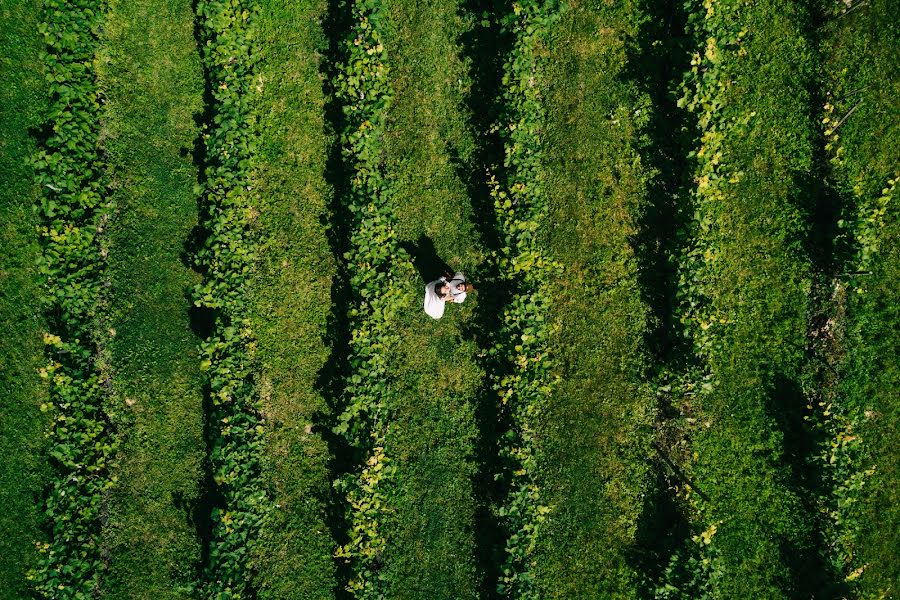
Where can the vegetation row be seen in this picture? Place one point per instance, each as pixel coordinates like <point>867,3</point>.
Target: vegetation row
<point>376,266</point>
<point>743,284</point>
<point>854,410</point>
<point>72,210</point>
<point>524,376</point>
<point>227,258</point>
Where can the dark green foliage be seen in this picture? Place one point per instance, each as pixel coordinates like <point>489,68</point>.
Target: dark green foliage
<point>375,265</point>
<point>149,130</point>
<point>743,290</point>
<point>524,377</point>
<point>23,469</point>
<point>72,210</point>
<point>857,460</point>
<point>597,426</point>
<point>290,303</point>
<point>227,260</point>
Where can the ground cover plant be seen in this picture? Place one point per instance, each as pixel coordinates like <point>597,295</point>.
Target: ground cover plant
<point>675,377</point>
<point>73,210</point>
<point>524,377</point>
<point>375,263</point>
<point>226,258</point>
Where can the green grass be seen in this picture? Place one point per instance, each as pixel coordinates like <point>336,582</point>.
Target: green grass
<point>431,547</point>
<point>861,67</point>
<point>597,429</point>
<point>291,301</point>
<point>150,72</point>
<point>23,101</point>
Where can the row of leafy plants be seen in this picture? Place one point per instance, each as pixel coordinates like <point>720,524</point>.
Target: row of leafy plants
<point>226,258</point>
<point>743,284</point>
<point>376,266</point>
<point>523,375</point>
<point>72,211</point>
<point>857,49</point>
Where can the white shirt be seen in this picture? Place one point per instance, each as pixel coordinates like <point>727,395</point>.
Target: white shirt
<point>458,297</point>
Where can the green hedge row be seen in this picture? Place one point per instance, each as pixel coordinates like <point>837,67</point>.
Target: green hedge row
<point>227,260</point>
<point>860,112</point>
<point>524,377</point>
<point>744,282</point>
<point>377,267</point>
<point>72,212</point>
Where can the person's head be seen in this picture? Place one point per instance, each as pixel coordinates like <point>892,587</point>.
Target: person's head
<point>441,289</point>
<point>464,287</point>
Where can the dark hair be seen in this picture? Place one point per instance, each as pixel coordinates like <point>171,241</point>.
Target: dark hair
<point>437,288</point>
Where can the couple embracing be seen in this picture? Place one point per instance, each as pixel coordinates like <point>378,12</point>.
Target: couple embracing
<point>449,288</point>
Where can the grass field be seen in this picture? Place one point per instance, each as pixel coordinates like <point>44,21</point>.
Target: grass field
<point>428,143</point>
<point>291,301</point>
<point>24,469</point>
<point>150,73</point>
<point>598,427</point>
<point>675,378</point>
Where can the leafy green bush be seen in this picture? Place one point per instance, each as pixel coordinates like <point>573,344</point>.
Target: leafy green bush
<point>524,374</point>
<point>377,266</point>
<point>855,459</point>
<point>743,286</point>
<point>227,260</point>
<point>72,213</point>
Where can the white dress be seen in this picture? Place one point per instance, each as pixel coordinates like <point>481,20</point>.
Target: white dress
<point>434,306</point>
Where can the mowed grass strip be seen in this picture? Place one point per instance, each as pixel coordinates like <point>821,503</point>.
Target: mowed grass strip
<point>290,301</point>
<point>150,73</point>
<point>744,281</point>
<point>862,79</point>
<point>428,149</point>
<point>597,428</point>
<point>23,102</point>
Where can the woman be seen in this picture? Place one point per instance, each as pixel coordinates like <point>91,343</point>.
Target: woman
<point>449,288</point>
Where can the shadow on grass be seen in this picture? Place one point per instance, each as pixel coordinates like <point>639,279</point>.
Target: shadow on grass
<point>426,259</point>
<point>484,48</point>
<point>337,223</point>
